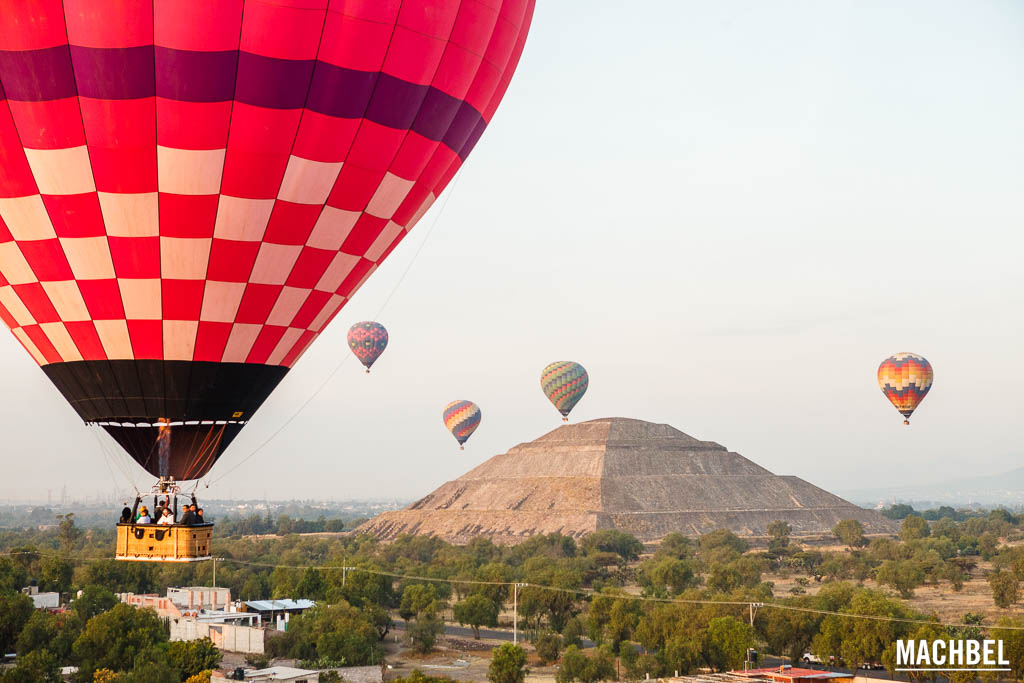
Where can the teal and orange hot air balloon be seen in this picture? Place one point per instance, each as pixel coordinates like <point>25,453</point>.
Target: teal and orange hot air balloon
<point>564,383</point>
<point>905,380</point>
<point>367,340</point>
<point>462,418</point>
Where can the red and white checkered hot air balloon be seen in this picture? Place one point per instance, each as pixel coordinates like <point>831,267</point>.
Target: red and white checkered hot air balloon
<point>191,191</point>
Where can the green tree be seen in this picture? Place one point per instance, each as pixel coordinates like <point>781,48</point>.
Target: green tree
<point>778,532</point>
<point>55,575</point>
<point>68,532</point>
<point>613,541</point>
<point>789,632</point>
<point>987,544</point>
<point>682,653</point>
<point>93,601</point>
<point>676,545</point>
<point>576,666</point>
<point>47,631</point>
<point>548,645</point>
<point>722,545</point>
<point>153,665</point>
<point>423,632</point>
<point>898,511</point>
<point>508,664</point>
<point>419,598</point>
<point>667,575</point>
<point>572,633</point>
<point>13,576</point>
<point>312,585</point>
<point>1005,588</point>
<point>856,641</point>
<point>192,657</point>
<point>727,641</point>
<point>114,639</point>
<point>15,610</point>
<point>903,575</point>
<point>39,666</point>
<point>850,532</point>
<point>1013,643</point>
<point>913,528</point>
<point>476,611</point>
<point>337,633</point>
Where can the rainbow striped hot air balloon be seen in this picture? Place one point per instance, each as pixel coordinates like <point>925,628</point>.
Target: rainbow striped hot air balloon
<point>462,418</point>
<point>564,383</point>
<point>367,340</point>
<point>905,380</point>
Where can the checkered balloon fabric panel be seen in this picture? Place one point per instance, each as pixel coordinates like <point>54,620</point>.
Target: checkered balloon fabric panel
<point>905,379</point>
<point>210,182</point>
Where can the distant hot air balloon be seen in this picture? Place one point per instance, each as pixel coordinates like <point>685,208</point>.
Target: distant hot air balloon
<point>564,383</point>
<point>191,191</point>
<point>462,418</point>
<point>905,380</point>
<point>367,341</point>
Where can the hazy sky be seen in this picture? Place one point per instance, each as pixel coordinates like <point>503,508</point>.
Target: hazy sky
<point>729,212</point>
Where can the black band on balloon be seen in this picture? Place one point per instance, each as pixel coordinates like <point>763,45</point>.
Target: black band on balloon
<point>151,390</point>
<point>206,403</point>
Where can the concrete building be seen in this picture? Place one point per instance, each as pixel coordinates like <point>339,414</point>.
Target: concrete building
<point>42,600</point>
<point>780,674</point>
<point>200,597</point>
<point>164,607</point>
<point>231,632</point>
<point>277,612</point>
<point>789,674</point>
<point>351,674</point>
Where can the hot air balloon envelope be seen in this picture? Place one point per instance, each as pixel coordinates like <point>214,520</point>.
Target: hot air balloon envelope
<point>367,341</point>
<point>564,383</point>
<point>190,191</point>
<point>462,418</point>
<point>905,380</point>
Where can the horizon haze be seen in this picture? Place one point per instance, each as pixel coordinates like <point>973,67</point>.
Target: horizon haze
<point>729,213</point>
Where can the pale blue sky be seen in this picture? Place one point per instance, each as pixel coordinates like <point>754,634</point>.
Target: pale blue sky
<point>729,212</point>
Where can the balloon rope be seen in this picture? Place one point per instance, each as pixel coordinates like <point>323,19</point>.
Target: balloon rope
<point>108,457</point>
<point>345,357</point>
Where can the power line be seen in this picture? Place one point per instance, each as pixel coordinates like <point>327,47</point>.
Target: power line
<point>585,592</point>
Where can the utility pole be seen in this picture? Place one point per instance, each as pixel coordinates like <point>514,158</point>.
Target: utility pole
<point>214,571</point>
<point>753,607</point>
<point>344,575</point>
<point>515,612</point>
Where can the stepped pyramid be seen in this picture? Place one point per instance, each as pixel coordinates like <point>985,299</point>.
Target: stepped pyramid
<point>616,473</point>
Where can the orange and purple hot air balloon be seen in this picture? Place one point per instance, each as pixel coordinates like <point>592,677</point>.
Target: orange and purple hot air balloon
<point>367,340</point>
<point>905,380</point>
<point>462,418</point>
<point>190,191</point>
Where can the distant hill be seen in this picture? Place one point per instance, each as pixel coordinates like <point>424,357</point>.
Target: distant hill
<point>1006,488</point>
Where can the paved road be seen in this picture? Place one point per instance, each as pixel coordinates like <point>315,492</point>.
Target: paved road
<point>490,634</point>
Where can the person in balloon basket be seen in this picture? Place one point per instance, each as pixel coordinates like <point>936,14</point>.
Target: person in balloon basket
<point>188,518</point>
<point>144,517</point>
<point>166,517</point>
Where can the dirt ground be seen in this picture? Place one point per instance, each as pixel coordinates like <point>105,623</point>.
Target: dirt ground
<point>942,600</point>
<point>458,659</point>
